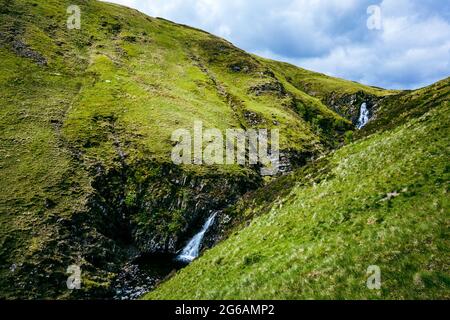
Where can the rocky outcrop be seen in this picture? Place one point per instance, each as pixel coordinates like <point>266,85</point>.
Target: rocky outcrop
<point>349,105</point>
<point>244,66</point>
<point>273,87</point>
<point>155,207</point>
<point>20,48</point>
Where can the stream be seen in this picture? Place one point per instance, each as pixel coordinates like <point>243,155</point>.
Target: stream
<point>143,274</point>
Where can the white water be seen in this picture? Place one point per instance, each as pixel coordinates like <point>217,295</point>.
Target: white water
<point>192,249</point>
<point>363,116</point>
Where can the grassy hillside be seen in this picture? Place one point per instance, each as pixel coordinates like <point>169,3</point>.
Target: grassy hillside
<point>86,118</point>
<point>398,109</point>
<point>342,96</point>
<point>380,201</point>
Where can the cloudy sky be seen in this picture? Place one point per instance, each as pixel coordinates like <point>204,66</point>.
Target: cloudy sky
<point>400,44</point>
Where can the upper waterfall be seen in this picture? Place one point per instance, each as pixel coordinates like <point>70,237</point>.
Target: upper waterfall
<point>363,116</point>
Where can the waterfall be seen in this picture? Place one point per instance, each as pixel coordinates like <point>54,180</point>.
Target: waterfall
<point>363,116</point>
<point>192,249</point>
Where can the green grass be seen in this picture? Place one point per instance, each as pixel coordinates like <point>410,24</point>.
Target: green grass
<point>120,85</point>
<point>85,126</point>
<point>320,85</point>
<point>380,201</point>
<point>398,109</point>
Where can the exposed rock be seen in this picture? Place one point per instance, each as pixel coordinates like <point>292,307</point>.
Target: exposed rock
<point>273,87</point>
<point>242,66</point>
<point>252,118</point>
<point>349,106</point>
<point>141,276</point>
<point>157,214</point>
<point>21,48</point>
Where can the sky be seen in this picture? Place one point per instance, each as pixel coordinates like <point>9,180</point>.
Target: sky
<point>394,44</point>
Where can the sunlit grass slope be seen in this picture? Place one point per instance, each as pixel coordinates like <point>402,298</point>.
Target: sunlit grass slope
<point>86,118</point>
<point>380,201</point>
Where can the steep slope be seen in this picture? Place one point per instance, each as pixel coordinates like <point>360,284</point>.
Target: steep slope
<point>398,109</point>
<point>342,96</point>
<point>381,201</point>
<point>86,122</point>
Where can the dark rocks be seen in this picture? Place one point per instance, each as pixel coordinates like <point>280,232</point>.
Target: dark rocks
<point>157,207</point>
<point>274,87</point>
<point>284,164</point>
<point>21,49</point>
<point>349,106</point>
<point>183,204</point>
<point>132,282</point>
<point>252,118</point>
<point>245,66</point>
<point>236,68</point>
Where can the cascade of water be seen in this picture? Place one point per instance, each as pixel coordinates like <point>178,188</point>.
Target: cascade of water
<point>192,249</point>
<point>363,116</point>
